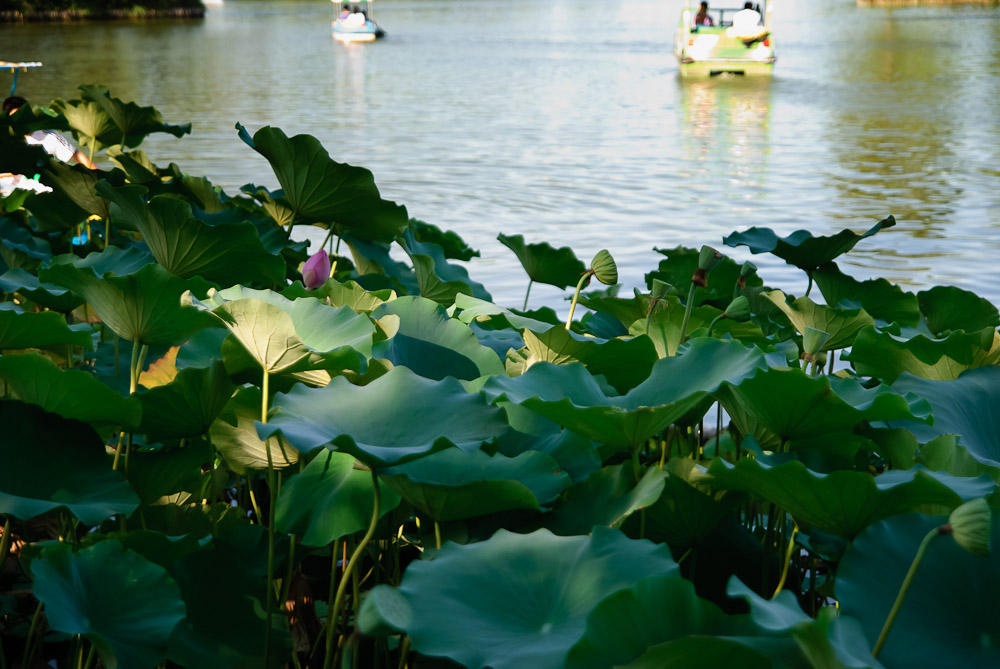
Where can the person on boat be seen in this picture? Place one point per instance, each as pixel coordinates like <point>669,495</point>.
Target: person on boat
<point>357,18</point>
<point>746,24</point>
<point>51,141</point>
<point>345,11</point>
<point>702,18</point>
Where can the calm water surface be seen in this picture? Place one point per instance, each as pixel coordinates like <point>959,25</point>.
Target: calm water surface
<point>565,121</point>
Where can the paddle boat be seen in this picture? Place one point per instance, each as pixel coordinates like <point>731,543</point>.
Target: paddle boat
<point>728,41</point>
<point>355,25</point>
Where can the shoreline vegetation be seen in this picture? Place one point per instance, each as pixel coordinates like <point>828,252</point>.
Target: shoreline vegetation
<point>64,11</point>
<point>224,448</point>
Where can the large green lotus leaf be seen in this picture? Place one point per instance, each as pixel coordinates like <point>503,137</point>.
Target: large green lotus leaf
<point>224,626</point>
<point>71,394</point>
<point>438,279</point>
<point>30,330</point>
<point>451,243</point>
<point>608,497</point>
<point>679,266</point>
<point>79,184</point>
<point>528,431</point>
<point>625,363</point>
<point>844,503</point>
<point>52,462</point>
<point>472,309</point>
<point>663,327</point>
<point>286,336</point>
<point>347,294</point>
<point>545,264</point>
<point>188,405</point>
<point>514,600</point>
<point>183,245</point>
<point>944,454</point>
<point>132,121</point>
<point>885,356</point>
<point>329,499</point>
<point>91,124</point>
<point>321,190</point>
<point>841,324</point>
<point>154,474</point>
<point>18,242</point>
<point>800,248</point>
<point>397,417</point>
<point>882,300</point>
<point>969,406</point>
<point>949,617</point>
<point>625,310</point>
<point>125,604</point>
<point>684,514</point>
<point>46,295</point>
<point>786,405</point>
<point>433,345</point>
<point>948,308</point>
<point>234,434</point>
<point>143,307</point>
<point>273,203</point>
<point>378,269</point>
<point>136,165</point>
<point>570,396</point>
<point>453,485</point>
<point>111,259</point>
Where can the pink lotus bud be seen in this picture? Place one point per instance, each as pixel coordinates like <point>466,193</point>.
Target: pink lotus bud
<point>316,270</point>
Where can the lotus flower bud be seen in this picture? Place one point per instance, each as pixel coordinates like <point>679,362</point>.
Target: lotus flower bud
<point>660,289</point>
<point>708,259</point>
<point>970,525</point>
<point>316,270</point>
<point>739,310</point>
<point>604,268</point>
<point>813,340</point>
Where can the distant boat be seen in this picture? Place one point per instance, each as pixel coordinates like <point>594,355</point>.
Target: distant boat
<point>746,48</point>
<point>357,25</point>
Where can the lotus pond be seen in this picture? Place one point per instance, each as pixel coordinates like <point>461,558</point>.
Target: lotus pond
<point>223,448</point>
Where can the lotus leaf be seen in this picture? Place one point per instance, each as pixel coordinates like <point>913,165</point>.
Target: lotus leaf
<point>329,499</point>
<point>144,307</point>
<point>528,431</point>
<point>545,264</point>
<point>886,356</point>
<point>91,125</point>
<point>663,326</point>
<point>844,503</point>
<point>155,474</point>
<point>423,416</point>
<point>285,336</point>
<point>111,260</point>
<point>131,120</point>
<point>375,265</point>
<point>46,295</point>
<point>453,485</point>
<point>779,406</point>
<point>188,405</point>
<point>801,248</point>
<point>18,242</point>
<point>969,406</point>
<point>515,600</point>
<point>571,397</point>
<point>52,462</point>
<point>948,308</point>
<point>472,309</point>
<point>186,247</point>
<point>321,190</point>
<point>943,454</point>
<point>347,294</point>
<point>136,165</point>
<point>126,605</point>
<point>882,300</point>
<point>608,497</point>
<point>432,344</point>
<point>79,185</point>
<point>438,279</point>
<point>679,266</point>
<point>452,245</point>
<point>949,616</point>
<point>841,324</point>
<point>30,330</point>
<point>234,434</point>
<point>71,394</point>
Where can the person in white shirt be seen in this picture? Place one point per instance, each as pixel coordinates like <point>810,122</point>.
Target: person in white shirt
<point>51,141</point>
<point>746,22</point>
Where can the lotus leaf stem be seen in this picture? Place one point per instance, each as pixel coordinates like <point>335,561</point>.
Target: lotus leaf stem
<point>90,157</point>
<point>286,586</point>
<point>107,231</point>
<point>355,557</point>
<point>528,292</point>
<point>904,589</point>
<point>788,560</point>
<point>5,541</point>
<point>404,650</point>
<point>437,534</point>
<point>253,501</point>
<point>687,312</point>
<point>270,524</point>
<point>576,295</point>
<point>28,640</point>
<point>331,621</point>
<point>810,286</point>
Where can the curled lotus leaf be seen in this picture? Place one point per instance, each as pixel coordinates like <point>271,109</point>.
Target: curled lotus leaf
<point>801,248</point>
<point>545,264</point>
<point>882,300</point>
<point>19,329</point>
<point>421,416</point>
<point>132,121</point>
<point>948,308</point>
<point>470,603</point>
<point>885,356</point>
<point>438,279</point>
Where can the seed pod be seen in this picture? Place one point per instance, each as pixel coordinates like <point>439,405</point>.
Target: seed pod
<point>813,340</point>
<point>970,525</point>
<point>604,268</point>
<point>739,310</point>
<point>708,259</point>
<point>747,269</point>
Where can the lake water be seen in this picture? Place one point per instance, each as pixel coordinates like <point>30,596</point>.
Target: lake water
<point>565,121</point>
